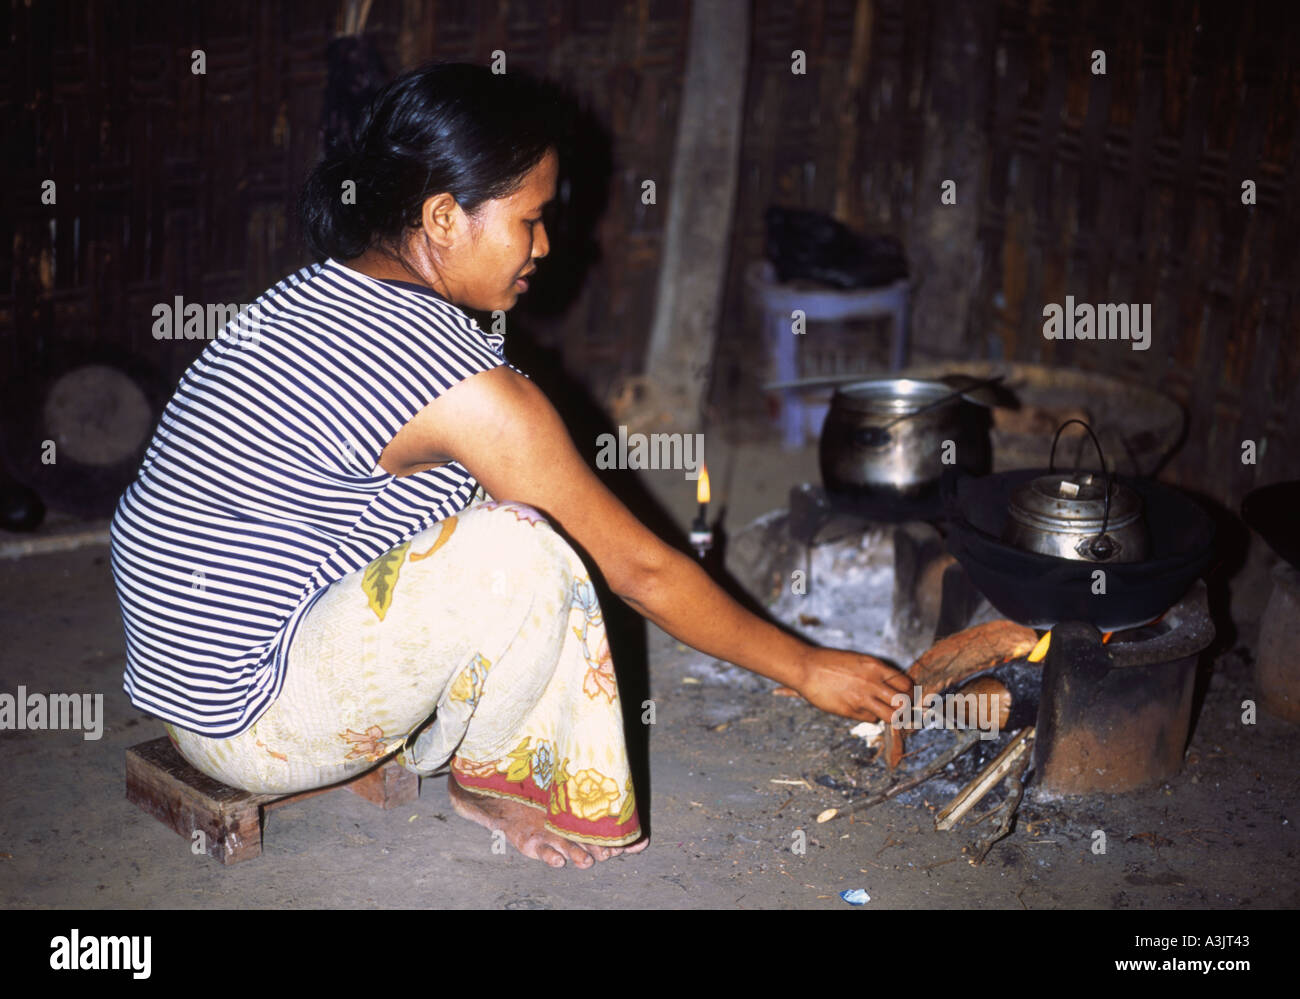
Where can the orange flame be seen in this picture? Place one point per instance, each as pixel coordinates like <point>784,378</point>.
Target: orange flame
<point>702,487</point>
<point>1044,643</point>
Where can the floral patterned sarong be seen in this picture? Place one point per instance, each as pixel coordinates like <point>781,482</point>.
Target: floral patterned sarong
<point>488,623</point>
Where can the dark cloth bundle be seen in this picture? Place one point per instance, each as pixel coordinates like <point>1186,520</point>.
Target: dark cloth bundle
<point>813,246</point>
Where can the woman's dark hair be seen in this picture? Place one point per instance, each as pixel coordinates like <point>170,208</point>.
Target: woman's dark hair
<point>450,127</point>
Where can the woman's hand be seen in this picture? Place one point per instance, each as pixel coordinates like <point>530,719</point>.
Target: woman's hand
<point>850,684</point>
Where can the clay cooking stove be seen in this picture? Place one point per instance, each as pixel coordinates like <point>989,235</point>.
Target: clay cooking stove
<point>1112,711</point>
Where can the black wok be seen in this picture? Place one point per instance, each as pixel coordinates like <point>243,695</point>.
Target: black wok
<point>1043,590</point>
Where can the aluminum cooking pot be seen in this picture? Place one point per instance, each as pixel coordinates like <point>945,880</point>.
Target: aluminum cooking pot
<point>897,436</point>
<point>1077,515</point>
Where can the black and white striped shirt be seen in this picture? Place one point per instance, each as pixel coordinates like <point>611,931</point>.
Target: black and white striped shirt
<point>262,485</point>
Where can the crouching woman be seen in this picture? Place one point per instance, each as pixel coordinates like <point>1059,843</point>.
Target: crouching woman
<point>340,547</point>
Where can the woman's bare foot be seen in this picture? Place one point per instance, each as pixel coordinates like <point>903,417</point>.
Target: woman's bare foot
<point>526,831</point>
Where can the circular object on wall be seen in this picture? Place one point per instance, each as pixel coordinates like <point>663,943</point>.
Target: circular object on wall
<point>97,415</point>
<point>78,431</point>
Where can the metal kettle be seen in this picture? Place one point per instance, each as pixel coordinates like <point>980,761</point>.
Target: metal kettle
<point>1077,515</point>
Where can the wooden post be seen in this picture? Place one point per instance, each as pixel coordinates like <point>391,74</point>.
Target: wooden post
<point>943,248</point>
<point>701,203</point>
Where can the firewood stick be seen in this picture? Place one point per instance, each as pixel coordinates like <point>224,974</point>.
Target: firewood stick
<point>964,743</point>
<point>950,660</point>
<point>985,781</point>
<point>1015,791</point>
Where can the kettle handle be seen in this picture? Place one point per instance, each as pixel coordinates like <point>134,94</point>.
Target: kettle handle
<point>1051,467</point>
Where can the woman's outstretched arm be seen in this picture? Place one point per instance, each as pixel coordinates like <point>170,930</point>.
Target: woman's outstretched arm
<point>505,431</point>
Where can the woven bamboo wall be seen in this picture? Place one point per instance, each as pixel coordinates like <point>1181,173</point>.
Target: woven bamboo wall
<point>1123,187</point>
<point>1127,188</point>
<point>170,183</point>
<point>1116,188</point>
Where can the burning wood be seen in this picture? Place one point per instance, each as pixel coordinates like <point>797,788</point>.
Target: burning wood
<point>956,657</point>
<point>991,689</point>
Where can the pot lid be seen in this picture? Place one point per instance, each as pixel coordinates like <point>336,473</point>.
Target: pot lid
<point>1074,501</point>
<point>892,396</point>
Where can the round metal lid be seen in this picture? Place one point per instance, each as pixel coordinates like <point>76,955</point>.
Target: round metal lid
<point>1074,501</point>
<point>891,396</point>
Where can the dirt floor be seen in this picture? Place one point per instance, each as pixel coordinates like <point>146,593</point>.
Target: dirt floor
<point>730,779</point>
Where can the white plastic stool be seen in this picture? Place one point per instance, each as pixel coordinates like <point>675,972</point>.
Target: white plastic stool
<point>777,301</point>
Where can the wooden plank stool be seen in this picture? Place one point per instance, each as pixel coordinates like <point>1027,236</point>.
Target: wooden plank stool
<point>163,783</point>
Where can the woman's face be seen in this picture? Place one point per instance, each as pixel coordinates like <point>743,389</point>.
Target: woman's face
<point>506,237</point>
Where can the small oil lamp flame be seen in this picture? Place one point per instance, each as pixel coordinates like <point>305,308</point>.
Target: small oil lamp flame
<point>701,533</point>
